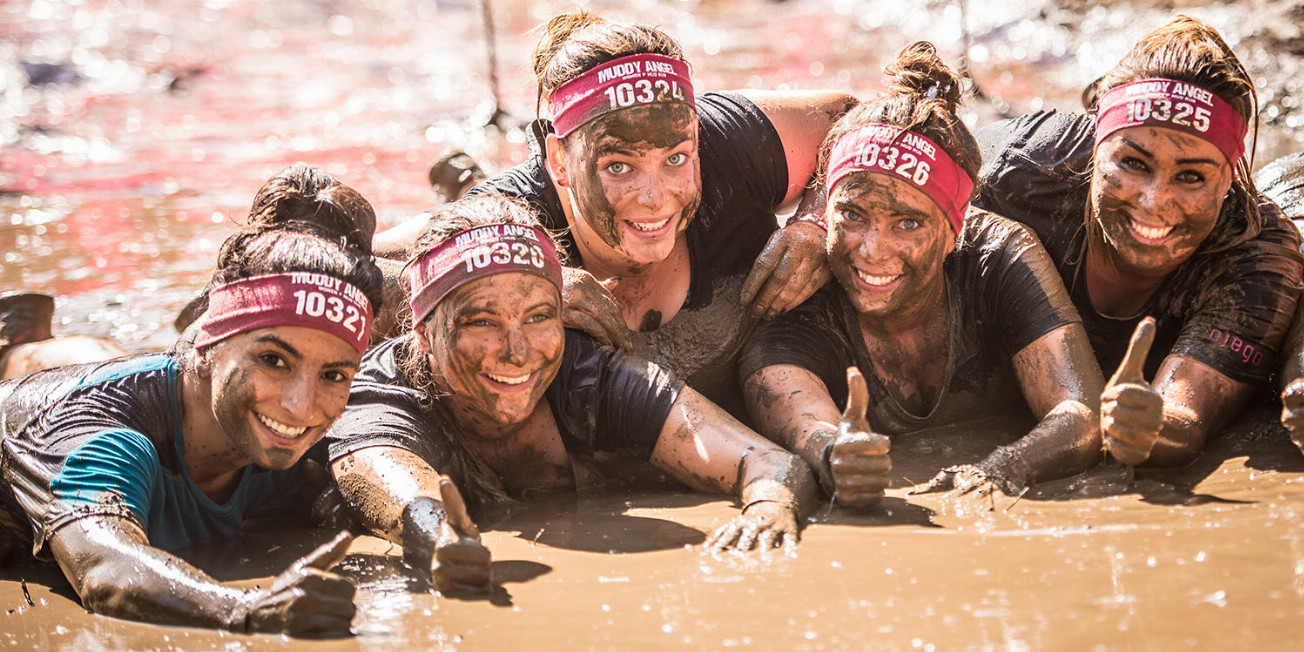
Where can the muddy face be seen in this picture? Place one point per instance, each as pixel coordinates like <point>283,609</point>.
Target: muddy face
<point>495,345</point>
<point>887,242</point>
<point>1155,195</point>
<point>635,184</point>
<point>276,390</point>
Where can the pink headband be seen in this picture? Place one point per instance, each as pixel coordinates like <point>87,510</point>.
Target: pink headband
<point>319,301</point>
<point>1176,105</point>
<point>476,253</point>
<point>619,84</point>
<point>887,149</point>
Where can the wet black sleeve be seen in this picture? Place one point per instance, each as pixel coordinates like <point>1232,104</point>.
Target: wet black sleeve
<point>810,336</point>
<point>385,410</point>
<point>739,142</point>
<point>1018,281</point>
<point>1037,171</point>
<point>1245,302</point>
<point>613,401</point>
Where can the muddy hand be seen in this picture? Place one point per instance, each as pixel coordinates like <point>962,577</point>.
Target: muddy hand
<point>307,599</point>
<point>461,562</point>
<point>762,525</point>
<point>591,308</point>
<point>858,458</point>
<point>792,267</point>
<point>1131,411</point>
<point>964,478</point>
<point>1292,411</point>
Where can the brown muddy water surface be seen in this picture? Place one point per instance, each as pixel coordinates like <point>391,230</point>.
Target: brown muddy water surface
<point>132,134</point>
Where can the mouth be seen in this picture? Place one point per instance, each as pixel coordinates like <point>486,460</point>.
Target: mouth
<point>651,229</point>
<point>878,282</point>
<point>281,430</point>
<point>1149,235</point>
<point>510,382</point>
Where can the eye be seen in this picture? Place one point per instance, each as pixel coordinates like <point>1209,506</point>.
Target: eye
<point>677,159</point>
<point>1134,163</point>
<point>273,360</point>
<point>1190,177</point>
<point>618,167</point>
<point>480,322</point>
<point>848,215</point>
<point>539,318</point>
<point>337,376</point>
<point>909,224</point>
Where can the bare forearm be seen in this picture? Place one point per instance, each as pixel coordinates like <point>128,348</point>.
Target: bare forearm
<point>779,477</point>
<point>1066,442</point>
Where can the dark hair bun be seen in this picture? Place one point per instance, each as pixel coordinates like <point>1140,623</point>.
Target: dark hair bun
<point>918,70</point>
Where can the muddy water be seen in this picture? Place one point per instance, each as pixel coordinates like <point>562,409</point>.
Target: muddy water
<point>155,123</point>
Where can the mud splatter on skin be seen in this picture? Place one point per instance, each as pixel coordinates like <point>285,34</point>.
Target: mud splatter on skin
<point>1156,177</point>
<point>507,325</point>
<point>651,321</point>
<point>881,226</point>
<point>606,195</point>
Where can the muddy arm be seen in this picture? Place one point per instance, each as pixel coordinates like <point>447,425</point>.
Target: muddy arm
<point>803,119</point>
<point>400,497</point>
<point>116,572</point>
<point>1062,383</point>
<point>706,448</point>
<point>1198,400</point>
<point>395,241</point>
<point>792,408</point>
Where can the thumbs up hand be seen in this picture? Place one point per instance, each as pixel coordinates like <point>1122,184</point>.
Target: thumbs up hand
<point>857,458</point>
<point>461,562</point>
<point>1131,411</point>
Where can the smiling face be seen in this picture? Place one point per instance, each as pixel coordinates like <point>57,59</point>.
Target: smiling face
<point>1156,194</point>
<point>634,183</point>
<point>495,344</point>
<point>887,242</point>
<point>275,391</point>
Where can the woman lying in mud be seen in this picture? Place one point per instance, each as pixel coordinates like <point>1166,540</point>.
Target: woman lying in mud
<point>951,318</point>
<point>115,464</point>
<point>669,197</point>
<point>28,345</point>
<point>490,389</point>
<point>1148,204</point>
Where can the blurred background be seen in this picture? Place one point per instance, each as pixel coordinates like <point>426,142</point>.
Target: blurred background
<point>134,134</point>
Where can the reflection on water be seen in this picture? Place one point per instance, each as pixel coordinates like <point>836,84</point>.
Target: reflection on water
<point>133,134</point>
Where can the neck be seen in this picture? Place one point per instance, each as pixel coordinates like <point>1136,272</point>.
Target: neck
<point>211,461</point>
<point>1113,290</point>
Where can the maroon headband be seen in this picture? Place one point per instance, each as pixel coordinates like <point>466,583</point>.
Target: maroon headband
<point>1174,104</point>
<point>619,84</point>
<point>476,253</point>
<point>319,301</point>
<point>891,150</point>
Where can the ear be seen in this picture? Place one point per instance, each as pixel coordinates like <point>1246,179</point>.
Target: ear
<point>423,343</point>
<point>555,157</point>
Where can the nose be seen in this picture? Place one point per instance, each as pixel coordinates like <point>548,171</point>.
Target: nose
<point>299,395</point>
<point>516,347</point>
<point>1157,198</point>
<point>872,245</point>
<point>652,190</point>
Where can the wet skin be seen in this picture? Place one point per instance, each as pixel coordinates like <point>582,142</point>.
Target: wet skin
<point>299,378</point>
<point>633,182</point>
<point>887,243</point>
<point>1156,194</point>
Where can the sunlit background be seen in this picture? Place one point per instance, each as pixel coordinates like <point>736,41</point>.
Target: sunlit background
<point>134,134</point>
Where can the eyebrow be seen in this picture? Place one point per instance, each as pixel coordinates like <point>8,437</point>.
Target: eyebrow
<point>269,338</point>
<point>1180,161</point>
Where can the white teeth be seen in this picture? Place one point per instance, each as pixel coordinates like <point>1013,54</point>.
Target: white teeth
<point>876,280</point>
<point>280,428</point>
<point>650,226</point>
<point>508,380</point>
<point>1151,232</point>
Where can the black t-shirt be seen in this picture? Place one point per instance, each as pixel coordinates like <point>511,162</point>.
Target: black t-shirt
<point>1004,295</point>
<point>603,400</point>
<point>1228,309</point>
<point>105,439</point>
<point>744,179</point>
